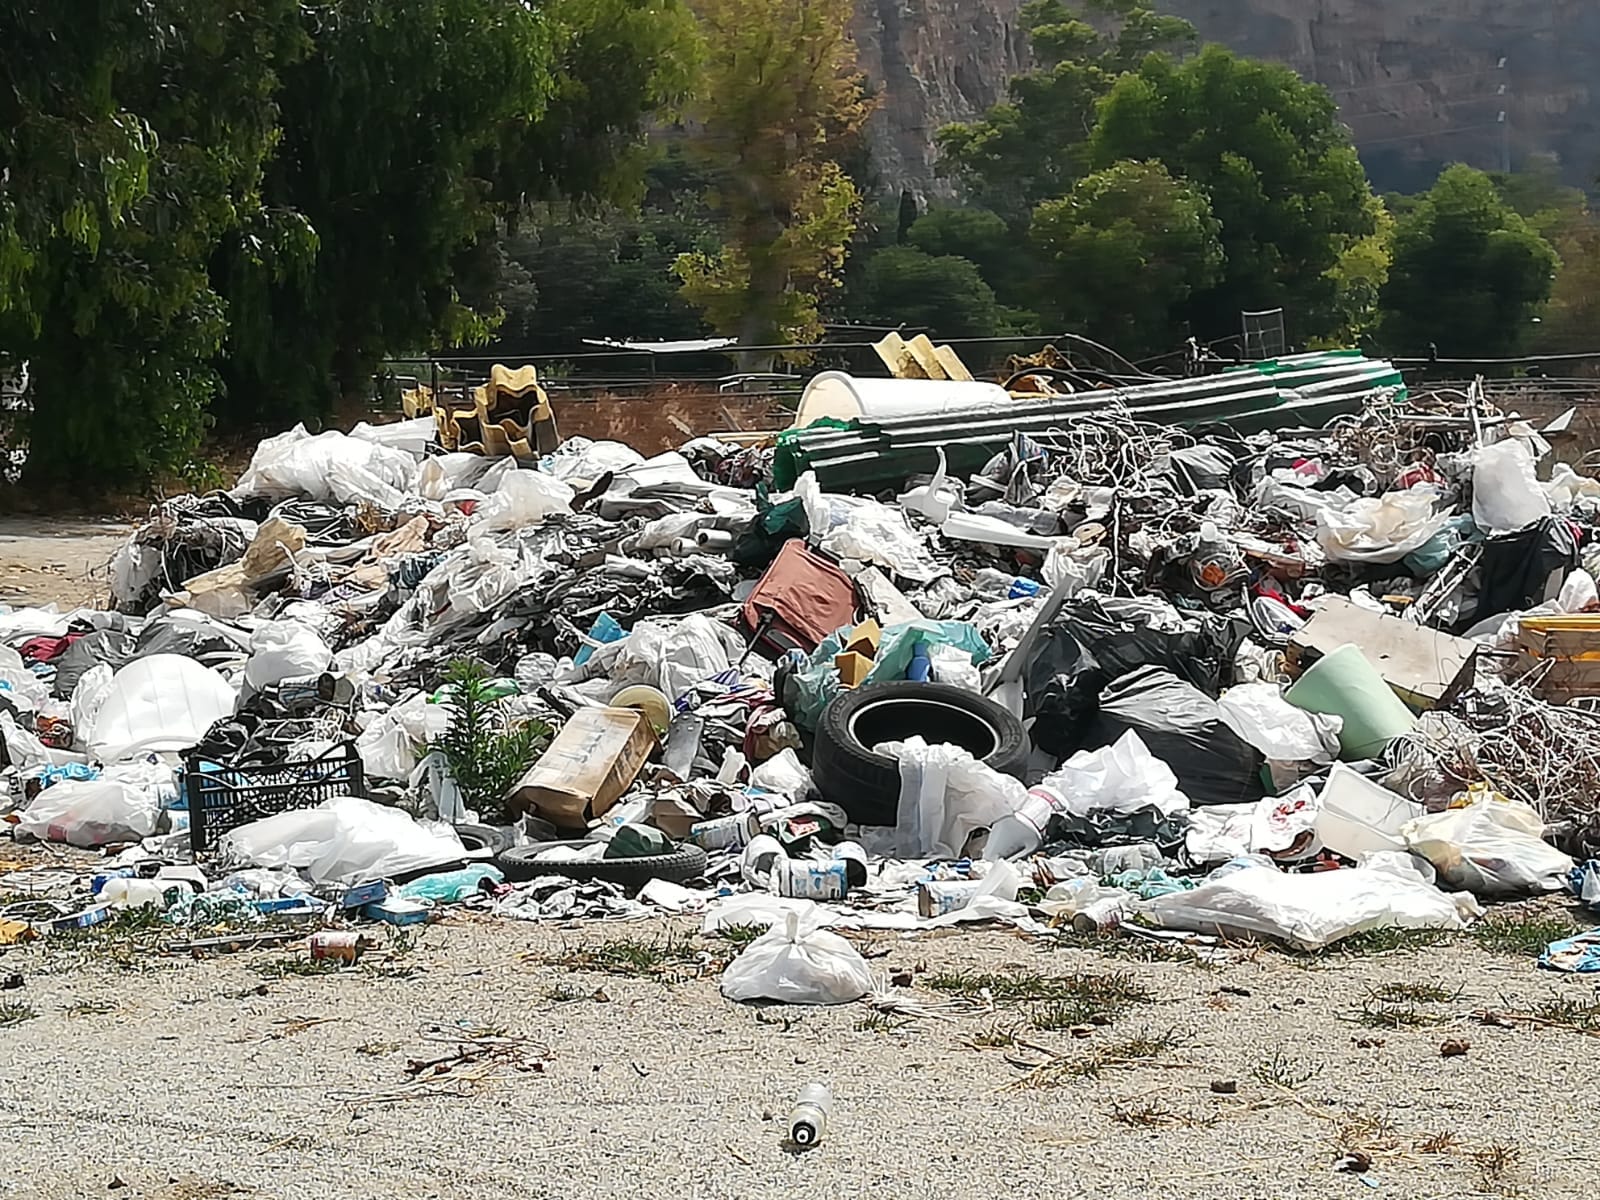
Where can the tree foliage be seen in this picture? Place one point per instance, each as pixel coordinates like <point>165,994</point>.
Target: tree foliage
<point>1033,145</point>
<point>1125,248</point>
<point>1268,149</point>
<point>1469,273</point>
<point>944,294</point>
<point>983,238</point>
<point>779,95</point>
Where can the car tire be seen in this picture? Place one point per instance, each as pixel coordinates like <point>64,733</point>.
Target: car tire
<point>685,863</point>
<point>485,837</point>
<point>867,785</point>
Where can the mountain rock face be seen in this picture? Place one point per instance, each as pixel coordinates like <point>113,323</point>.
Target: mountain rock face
<point>1421,83</point>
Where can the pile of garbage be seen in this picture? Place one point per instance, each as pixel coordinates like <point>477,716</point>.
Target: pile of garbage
<point>1125,677</point>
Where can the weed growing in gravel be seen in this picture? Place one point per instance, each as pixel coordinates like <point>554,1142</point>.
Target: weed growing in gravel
<point>1284,1071</point>
<point>1137,949</point>
<point>633,956</point>
<point>283,968</point>
<point>740,935</point>
<point>877,1022</point>
<point>90,1008</point>
<point>993,1038</point>
<point>1102,995</point>
<point>1154,1115</point>
<point>1580,1015</point>
<point>1397,1006</point>
<point>1496,1164</point>
<point>1390,939</point>
<point>1523,937</point>
<point>1442,1142</point>
<point>16,1014</point>
<point>1122,1053</point>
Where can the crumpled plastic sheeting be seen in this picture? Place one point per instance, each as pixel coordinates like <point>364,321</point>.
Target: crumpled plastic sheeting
<point>90,813</point>
<point>945,796</point>
<point>1506,495</point>
<point>160,702</point>
<point>328,466</point>
<point>1380,529</point>
<point>282,650</point>
<point>1121,778</point>
<point>344,840</point>
<point>1491,847</point>
<point>1311,911</point>
<point>523,498</point>
<point>1259,714</point>
<point>388,745</point>
<point>851,527</point>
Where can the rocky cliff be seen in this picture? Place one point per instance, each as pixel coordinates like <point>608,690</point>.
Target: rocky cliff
<point>1420,82</point>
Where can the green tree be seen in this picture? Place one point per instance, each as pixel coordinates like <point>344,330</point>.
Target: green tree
<point>1124,251</point>
<point>1268,149</point>
<point>1358,278</point>
<point>1573,314</point>
<point>983,238</point>
<point>779,95</point>
<point>119,318</point>
<point>943,294</point>
<point>1033,145</point>
<point>410,129</point>
<point>1469,273</point>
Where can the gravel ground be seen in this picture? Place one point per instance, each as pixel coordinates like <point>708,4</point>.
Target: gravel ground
<point>171,1078</point>
<point>57,559</point>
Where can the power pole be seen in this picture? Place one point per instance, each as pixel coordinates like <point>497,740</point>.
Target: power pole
<point>1505,116</point>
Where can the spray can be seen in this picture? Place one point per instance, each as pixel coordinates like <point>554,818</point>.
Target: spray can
<point>336,944</point>
<point>721,833</point>
<point>808,1119</point>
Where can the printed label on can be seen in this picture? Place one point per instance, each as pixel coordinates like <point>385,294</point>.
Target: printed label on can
<point>936,899</point>
<point>723,832</point>
<point>811,880</point>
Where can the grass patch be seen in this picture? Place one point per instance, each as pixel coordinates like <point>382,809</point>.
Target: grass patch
<point>1066,999</point>
<point>15,1014</point>
<point>283,968</point>
<point>634,956</point>
<point>1133,948</point>
<point>1154,1115</point>
<point>1283,1071</point>
<point>90,1008</point>
<point>1389,939</point>
<point>1497,1164</point>
<point>741,935</point>
<point>1523,937</point>
<point>1123,1052</point>
<point>1443,1142</point>
<point>993,1038</point>
<point>877,1022</point>
<point>1398,1006</point>
<point>1580,1015</point>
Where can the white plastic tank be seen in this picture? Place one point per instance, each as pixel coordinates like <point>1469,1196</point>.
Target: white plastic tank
<point>845,396</point>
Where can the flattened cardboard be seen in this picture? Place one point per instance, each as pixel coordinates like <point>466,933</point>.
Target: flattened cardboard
<point>591,762</point>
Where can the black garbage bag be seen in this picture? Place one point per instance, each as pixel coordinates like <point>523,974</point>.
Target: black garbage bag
<point>1517,567</point>
<point>1183,727</point>
<point>1098,639</point>
<point>110,646</point>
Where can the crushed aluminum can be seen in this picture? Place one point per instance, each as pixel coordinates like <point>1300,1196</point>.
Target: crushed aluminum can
<point>721,833</point>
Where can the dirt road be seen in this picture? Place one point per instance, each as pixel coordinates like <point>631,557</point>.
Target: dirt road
<point>173,1079</point>
<point>60,559</point>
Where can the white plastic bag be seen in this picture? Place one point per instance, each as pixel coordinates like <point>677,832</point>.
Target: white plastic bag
<point>91,812</point>
<point>387,746</point>
<point>876,533</point>
<point>329,466</point>
<point>1380,529</point>
<point>582,459</point>
<point>1282,732</point>
<point>282,650</point>
<point>160,702</point>
<point>88,697</point>
<point>1506,495</point>
<point>1120,778</point>
<point>798,962</point>
<point>953,665</point>
<point>1310,911</point>
<point>945,796</point>
<point>1492,847</point>
<point>523,498</point>
<point>784,774</point>
<point>344,840</point>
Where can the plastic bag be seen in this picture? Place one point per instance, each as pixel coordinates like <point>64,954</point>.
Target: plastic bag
<point>1122,778</point>
<point>1259,714</point>
<point>899,642</point>
<point>329,466</point>
<point>1310,911</point>
<point>1182,727</point>
<point>160,702</point>
<point>953,665</point>
<point>282,650</point>
<point>1380,529</point>
<point>88,697</point>
<point>581,459</point>
<point>1567,488</point>
<point>798,962</point>
<point>1506,495</point>
<point>523,498</point>
<point>91,813</point>
<point>945,796</point>
<point>875,533</point>
<point>388,745</point>
<point>782,773</point>
<point>1492,847</point>
<point>345,840</point>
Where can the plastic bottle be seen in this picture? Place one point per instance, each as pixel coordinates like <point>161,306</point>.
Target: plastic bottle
<point>1020,832</point>
<point>808,1119</point>
<point>1003,586</point>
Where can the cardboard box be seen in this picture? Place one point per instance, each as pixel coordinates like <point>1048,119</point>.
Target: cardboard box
<point>1425,668</point>
<point>591,762</point>
<point>1560,655</point>
<point>852,668</point>
<point>864,639</point>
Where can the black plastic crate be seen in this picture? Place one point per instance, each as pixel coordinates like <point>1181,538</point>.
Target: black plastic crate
<point>227,796</point>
